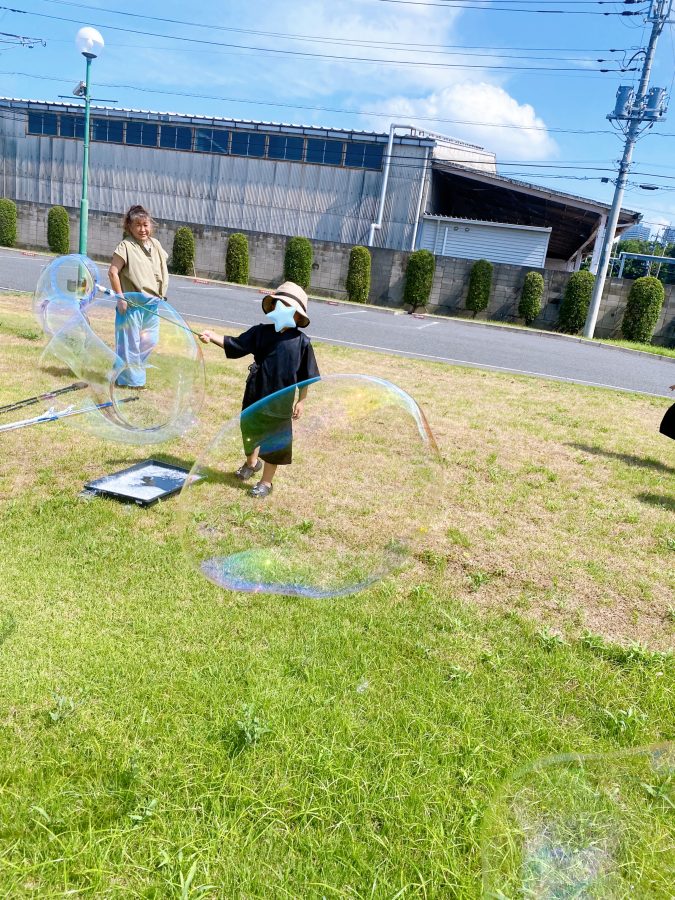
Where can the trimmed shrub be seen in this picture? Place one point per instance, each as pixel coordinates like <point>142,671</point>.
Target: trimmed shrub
<point>183,257</point>
<point>58,230</point>
<point>480,282</point>
<point>643,309</point>
<point>298,262</point>
<point>7,222</point>
<point>236,260</point>
<point>576,300</point>
<point>419,277</point>
<point>358,276</point>
<point>530,297</point>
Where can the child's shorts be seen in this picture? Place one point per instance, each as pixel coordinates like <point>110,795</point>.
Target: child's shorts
<point>273,435</point>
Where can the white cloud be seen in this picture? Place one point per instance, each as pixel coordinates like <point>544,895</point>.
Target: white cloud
<point>487,105</point>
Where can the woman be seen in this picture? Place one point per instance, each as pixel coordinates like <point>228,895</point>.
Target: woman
<point>138,267</point>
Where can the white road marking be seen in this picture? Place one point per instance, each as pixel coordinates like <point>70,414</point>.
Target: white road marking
<point>428,325</point>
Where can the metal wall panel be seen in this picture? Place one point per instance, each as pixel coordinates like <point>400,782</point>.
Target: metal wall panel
<point>317,201</point>
<point>479,240</point>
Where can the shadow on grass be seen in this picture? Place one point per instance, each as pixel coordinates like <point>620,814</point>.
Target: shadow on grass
<point>640,461</point>
<point>7,627</point>
<point>660,500</point>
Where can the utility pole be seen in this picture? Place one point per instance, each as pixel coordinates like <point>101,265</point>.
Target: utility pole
<point>634,110</point>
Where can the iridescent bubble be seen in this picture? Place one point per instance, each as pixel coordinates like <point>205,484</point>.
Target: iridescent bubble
<point>350,509</point>
<point>595,825</point>
<point>144,369</point>
<point>65,287</point>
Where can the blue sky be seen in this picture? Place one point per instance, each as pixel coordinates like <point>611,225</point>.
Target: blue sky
<point>523,84</point>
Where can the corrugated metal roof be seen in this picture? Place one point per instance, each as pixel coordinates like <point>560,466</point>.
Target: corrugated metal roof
<point>446,165</point>
<point>245,124</point>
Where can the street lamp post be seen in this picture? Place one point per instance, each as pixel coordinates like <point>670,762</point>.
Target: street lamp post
<point>90,43</point>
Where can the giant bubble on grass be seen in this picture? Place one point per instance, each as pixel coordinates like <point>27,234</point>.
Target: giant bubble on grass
<point>352,508</point>
<point>584,826</point>
<point>144,369</point>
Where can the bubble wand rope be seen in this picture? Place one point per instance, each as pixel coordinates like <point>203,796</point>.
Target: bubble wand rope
<point>29,401</point>
<point>52,416</point>
<point>110,293</point>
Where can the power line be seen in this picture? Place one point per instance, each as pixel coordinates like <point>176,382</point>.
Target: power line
<point>310,55</point>
<point>428,48</point>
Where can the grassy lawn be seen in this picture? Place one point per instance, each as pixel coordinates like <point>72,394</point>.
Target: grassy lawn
<point>160,737</point>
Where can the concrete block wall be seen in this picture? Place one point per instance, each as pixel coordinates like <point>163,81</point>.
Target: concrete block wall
<point>329,272</point>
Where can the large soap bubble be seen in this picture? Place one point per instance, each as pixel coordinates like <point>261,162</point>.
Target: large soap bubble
<point>591,826</point>
<point>144,369</point>
<point>65,287</point>
<point>347,512</point>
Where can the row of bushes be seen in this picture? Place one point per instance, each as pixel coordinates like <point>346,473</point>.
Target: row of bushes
<point>642,310</point>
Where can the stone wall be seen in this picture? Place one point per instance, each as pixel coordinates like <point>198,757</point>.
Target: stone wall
<point>329,271</point>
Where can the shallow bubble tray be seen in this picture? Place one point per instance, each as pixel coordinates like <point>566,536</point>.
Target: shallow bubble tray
<point>144,483</point>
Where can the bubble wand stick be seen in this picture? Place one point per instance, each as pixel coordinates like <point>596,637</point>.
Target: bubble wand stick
<point>29,401</point>
<point>110,293</point>
<point>52,416</point>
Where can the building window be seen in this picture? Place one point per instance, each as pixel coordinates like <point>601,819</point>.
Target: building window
<point>211,140</point>
<point>283,147</point>
<point>42,123</point>
<point>327,152</point>
<point>72,126</point>
<point>175,138</point>
<point>142,134</point>
<point>364,156</point>
<point>109,130</point>
<point>248,144</point>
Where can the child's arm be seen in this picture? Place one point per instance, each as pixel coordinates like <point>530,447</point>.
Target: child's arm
<point>299,406</point>
<point>210,337</point>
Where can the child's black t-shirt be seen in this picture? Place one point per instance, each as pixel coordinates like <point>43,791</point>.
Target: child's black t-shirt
<point>282,358</point>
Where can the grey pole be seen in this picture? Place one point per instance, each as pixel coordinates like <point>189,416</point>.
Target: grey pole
<point>661,11</point>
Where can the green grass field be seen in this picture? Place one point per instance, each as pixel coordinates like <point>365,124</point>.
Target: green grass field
<point>160,737</point>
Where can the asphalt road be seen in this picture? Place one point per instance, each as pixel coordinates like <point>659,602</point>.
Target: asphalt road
<point>454,341</point>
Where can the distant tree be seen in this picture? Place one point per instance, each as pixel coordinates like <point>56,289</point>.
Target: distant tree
<point>480,283</point>
<point>419,278</point>
<point>358,276</point>
<point>7,222</point>
<point>530,297</point>
<point>298,261</point>
<point>576,300</point>
<point>183,257</point>
<point>58,230</point>
<point>236,261</point>
<point>643,308</point>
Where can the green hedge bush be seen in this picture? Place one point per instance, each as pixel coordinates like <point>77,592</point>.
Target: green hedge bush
<point>358,276</point>
<point>480,282</point>
<point>7,222</point>
<point>576,300</point>
<point>530,297</point>
<point>236,260</point>
<point>298,262</point>
<point>419,277</point>
<point>643,309</point>
<point>183,256</point>
<point>58,230</point>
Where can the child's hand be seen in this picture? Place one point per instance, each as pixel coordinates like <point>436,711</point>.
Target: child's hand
<point>297,411</point>
<point>206,337</point>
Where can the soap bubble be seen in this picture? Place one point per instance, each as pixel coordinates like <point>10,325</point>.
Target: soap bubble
<point>350,509</point>
<point>65,287</point>
<point>592,826</point>
<point>144,369</point>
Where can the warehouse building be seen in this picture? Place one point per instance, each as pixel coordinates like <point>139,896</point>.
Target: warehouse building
<point>400,190</point>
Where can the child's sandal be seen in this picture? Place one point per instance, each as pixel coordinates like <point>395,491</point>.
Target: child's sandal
<point>244,472</point>
<point>261,490</point>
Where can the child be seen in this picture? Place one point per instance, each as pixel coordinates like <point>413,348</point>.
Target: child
<point>283,356</point>
<point>668,423</point>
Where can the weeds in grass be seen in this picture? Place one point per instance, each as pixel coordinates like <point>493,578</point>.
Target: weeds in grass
<point>250,728</point>
<point>64,708</point>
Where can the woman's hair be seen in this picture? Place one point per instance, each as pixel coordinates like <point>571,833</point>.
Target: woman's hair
<point>134,214</point>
